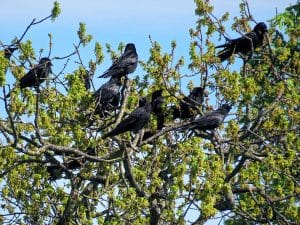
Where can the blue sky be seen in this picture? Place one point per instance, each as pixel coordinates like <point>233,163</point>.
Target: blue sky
<point>115,21</point>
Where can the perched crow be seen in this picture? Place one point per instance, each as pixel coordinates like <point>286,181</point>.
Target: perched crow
<point>55,171</point>
<point>7,54</point>
<point>210,120</point>
<point>37,75</point>
<point>188,107</point>
<point>76,162</point>
<point>126,64</point>
<point>245,44</point>
<point>88,76</point>
<point>9,51</point>
<point>134,122</point>
<point>157,110</point>
<point>108,96</point>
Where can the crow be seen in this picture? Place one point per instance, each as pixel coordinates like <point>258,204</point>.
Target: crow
<point>245,44</point>
<point>76,162</point>
<point>88,77</point>
<point>9,51</point>
<point>126,64</point>
<point>55,171</point>
<point>108,96</point>
<point>157,110</point>
<point>210,120</point>
<point>37,75</point>
<point>7,54</point>
<point>188,107</point>
<point>134,122</point>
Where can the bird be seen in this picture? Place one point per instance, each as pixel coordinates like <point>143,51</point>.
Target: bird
<point>88,77</point>
<point>56,171</point>
<point>188,106</point>
<point>157,110</point>
<point>210,120</point>
<point>134,122</point>
<point>7,54</point>
<point>124,65</point>
<point>108,96</point>
<point>9,51</point>
<point>36,75</point>
<point>245,44</point>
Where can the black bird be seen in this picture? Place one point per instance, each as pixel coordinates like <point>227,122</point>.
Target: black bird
<point>245,44</point>
<point>7,54</point>
<point>9,51</point>
<point>76,162</point>
<point>126,64</point>
<point>210,120</point>
<point>88,77</point>
<point>108,96</point>
<point>37,75</point>
<point>157,110</point>
<point>56,171</point>
<point>189,105</point>
<point>134,122</point>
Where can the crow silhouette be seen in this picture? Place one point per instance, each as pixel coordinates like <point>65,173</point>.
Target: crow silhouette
<point>134,122</point>
<point>188,106</point>
<point>108,96</point>
<point>9,51</point>
<point>245,44</point>
<point>210,120</point>
<point>37,75</point>
<point>157,110</point>
<point>126,64</point>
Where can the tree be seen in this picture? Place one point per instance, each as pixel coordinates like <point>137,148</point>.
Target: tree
<point>57,169</point>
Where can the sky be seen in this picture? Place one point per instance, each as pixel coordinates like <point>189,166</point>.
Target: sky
<point>115,21</point>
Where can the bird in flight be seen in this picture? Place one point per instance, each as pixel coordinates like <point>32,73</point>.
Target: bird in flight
<point>124,65</point>
<point>245,44</point>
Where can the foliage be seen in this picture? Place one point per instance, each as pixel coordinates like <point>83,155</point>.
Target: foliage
<point>248,168</point>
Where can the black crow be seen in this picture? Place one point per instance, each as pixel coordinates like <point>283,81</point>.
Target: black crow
<point>88,76</point>
<point>157,110</point>
<point>210,120</point>
<point>55,171</point>
<point>108,96</point>
<point>188,106</point>
<point>134,122</point>
<point>245,44</point>
<point>8,52</point>
<point>126,64</point>
<point>76,162</point>
<point>37,75</point>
